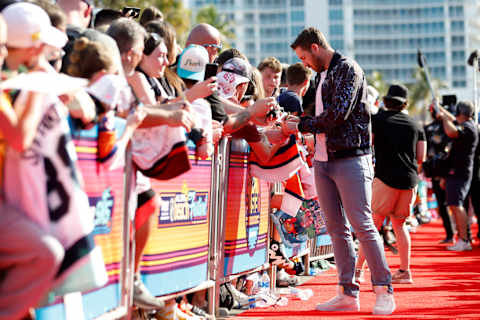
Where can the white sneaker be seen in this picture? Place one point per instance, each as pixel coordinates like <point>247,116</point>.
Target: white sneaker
<point>285,280</point>
<point>142,298</point>
<point>384,303</point>
<point>460,245</point>
<point>341,302</point>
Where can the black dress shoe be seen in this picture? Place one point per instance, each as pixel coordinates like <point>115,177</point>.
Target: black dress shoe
<point>446,241</point>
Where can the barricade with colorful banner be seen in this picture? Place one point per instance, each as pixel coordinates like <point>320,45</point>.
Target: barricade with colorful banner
<point>176,256</point>
<point>246,214</point>
<point>104,189</point>
<point>179,248</point>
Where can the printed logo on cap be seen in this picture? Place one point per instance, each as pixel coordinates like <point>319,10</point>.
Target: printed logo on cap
<point>192,61</point>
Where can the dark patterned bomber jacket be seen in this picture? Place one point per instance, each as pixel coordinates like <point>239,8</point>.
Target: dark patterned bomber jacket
<point>345,119</point>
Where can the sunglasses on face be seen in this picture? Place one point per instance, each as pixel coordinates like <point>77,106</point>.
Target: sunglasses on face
<point>212,45</point>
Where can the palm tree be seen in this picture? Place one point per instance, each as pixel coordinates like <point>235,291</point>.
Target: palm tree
<point>419,94</point>
<point>210,15</point>
<point>177,15</point>
<point>173,11</point>
<point>376,80</point>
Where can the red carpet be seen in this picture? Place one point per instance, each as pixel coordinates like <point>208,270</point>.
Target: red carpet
<point>446,286</point>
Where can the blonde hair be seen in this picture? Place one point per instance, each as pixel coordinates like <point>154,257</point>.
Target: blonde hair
<point>257,81</point>
<point>272,63</point>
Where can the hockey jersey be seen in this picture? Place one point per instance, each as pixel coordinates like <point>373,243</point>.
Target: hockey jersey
<point>44,182</point>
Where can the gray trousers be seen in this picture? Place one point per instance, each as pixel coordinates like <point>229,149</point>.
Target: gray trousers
<point>344,188</point>
<point>29,260</point>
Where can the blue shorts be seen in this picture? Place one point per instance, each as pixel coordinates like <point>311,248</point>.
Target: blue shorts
<point>456,190</point>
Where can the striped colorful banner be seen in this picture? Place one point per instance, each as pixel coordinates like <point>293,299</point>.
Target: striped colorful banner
<point>176,255</point>
<point>246,215</point>
<point>104,189</point>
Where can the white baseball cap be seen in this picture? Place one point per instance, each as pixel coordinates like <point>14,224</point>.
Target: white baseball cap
<point>28,25</point>
<point>234,72</point>
<point>192,62</point>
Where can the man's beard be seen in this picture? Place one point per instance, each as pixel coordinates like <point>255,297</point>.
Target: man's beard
<point>318,65</point>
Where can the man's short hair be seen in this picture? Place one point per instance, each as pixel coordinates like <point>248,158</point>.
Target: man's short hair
<point>228,54</point>
<point>297,73</point>
<point>105,17</point>
<point>393,104</point>
<point>465,108</point>
<point>272,63</point>
<point>308,37</point>
<point>126,33</point>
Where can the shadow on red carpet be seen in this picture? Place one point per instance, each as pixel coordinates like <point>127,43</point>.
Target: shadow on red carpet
<point>446,286</point>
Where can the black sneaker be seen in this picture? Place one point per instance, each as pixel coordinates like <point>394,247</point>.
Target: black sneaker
<point>226,298</point>
<point>299,268</point>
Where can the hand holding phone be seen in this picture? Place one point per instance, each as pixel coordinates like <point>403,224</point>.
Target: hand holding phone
<point>210,70</point>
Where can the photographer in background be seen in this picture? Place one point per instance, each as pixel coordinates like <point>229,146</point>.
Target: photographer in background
<point>464,133</point>
<point>438,147</point>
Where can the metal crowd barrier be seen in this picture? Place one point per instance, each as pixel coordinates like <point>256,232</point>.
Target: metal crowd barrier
<point>177,257</point>
<point>243,224</point>
<point>213,226</point>
<point>109,197</point>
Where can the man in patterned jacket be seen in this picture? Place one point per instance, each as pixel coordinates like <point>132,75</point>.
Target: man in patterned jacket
<point>343,168</point>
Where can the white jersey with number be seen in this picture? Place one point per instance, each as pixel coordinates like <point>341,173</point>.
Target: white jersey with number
<point>44,181</point>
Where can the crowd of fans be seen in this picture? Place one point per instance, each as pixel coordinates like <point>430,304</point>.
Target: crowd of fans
<point>137,72</point>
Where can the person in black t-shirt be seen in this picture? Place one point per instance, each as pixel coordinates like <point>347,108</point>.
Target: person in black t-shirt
<point>474,193</point>
<point>464,133</point>
<point>400,148</point>
<point>438,145</point>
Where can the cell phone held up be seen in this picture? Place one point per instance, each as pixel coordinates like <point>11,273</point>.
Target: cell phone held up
<point>131,12</point>
<point>210,70</point>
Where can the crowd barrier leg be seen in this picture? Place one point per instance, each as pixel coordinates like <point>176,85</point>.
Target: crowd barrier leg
<point>272,269</point>
<point>212,256</point>
<point>221,159</point>
<point>127,267</point>
<point>213,251</point>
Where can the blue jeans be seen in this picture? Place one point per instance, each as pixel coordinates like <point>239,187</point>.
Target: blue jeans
<point>344,188</point>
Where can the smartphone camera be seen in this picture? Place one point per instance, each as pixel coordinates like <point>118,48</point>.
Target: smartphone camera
<point>210,70</point>
<point>131,12</point>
